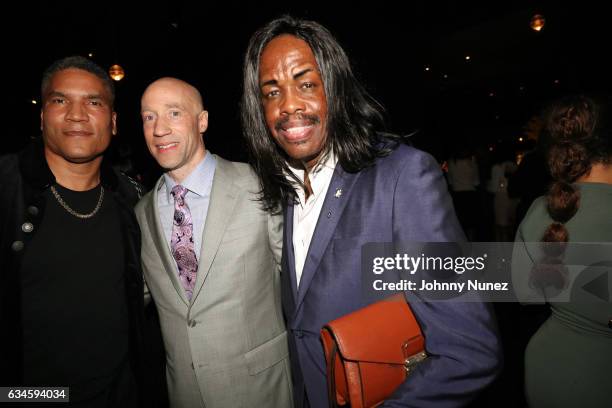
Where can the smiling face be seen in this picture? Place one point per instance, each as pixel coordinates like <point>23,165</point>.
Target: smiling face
<point>77,119</point>
<point>293,96</point>
<point>173,123</point>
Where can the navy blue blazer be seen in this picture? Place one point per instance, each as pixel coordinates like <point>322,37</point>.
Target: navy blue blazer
<point>402,198</point>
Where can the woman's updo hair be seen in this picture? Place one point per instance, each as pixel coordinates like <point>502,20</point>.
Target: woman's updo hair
<point>575,138</point>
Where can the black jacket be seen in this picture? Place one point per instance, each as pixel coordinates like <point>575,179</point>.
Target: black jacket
<point>24,177</point>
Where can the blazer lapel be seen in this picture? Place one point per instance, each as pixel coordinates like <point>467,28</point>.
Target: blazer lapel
<point>161,243</point>
<point>336,199</point>
<point>223,197</point>
<point>288,246</point>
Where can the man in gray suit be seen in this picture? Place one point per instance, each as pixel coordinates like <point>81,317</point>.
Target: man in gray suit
<point>211,262</point>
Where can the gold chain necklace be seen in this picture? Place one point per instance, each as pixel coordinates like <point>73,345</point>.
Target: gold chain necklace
<point>71,211</point>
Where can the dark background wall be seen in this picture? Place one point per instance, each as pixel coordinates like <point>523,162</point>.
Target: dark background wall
<point>511,73</point>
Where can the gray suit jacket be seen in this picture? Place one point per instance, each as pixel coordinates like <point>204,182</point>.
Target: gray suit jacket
<point>228,346</point>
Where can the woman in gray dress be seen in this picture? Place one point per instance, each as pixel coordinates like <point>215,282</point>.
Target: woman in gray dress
<point>568,361</point>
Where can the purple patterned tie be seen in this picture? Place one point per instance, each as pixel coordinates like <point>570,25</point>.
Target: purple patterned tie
<point>181,242</point>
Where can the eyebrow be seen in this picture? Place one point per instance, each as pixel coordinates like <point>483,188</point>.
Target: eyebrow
<point>63,95</point>
<point>56,94</point>
<point>295,76</point>
<point>166,105</point>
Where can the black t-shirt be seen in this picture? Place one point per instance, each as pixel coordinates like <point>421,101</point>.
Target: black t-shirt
<point>74,305</point>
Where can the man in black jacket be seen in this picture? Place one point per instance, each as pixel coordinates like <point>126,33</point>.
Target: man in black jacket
<point>71,288</point>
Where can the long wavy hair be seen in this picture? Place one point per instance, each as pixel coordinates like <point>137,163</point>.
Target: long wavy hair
<point>353,116</point>
<point>576,136</point>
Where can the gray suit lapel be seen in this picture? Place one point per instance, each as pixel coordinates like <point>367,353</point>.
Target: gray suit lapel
<point>333,206</point>
<point>223,197</point>
<point>161,243</point>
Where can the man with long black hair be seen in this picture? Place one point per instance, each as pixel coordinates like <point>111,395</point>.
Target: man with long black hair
<point>312,133</point>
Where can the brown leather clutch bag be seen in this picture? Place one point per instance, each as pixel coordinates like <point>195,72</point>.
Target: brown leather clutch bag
<point>370,352</point>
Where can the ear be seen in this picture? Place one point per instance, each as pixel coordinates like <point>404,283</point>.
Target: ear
<point>203,121</point>
<point>41,119</point>
<point>114,123</point>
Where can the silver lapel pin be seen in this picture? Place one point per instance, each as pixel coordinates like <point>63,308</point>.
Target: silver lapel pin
<point>338,193</point>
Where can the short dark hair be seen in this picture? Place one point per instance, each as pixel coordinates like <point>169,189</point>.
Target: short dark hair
<point>353,116</point>
<point>77,62</point>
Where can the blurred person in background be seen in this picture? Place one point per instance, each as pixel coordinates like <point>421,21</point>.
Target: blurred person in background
<point>568,360</point>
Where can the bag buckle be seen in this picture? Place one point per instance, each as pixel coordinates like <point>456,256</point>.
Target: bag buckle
<point>412,361</point>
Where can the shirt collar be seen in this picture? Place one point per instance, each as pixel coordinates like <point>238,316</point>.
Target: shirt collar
<point>199,182</point>
<point>320,175</point>
<point>329,162</point>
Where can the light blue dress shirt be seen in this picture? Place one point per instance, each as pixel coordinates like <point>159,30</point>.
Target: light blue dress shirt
<point>199,184</point>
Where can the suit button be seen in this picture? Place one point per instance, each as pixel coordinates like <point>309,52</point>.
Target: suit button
<point>17,246</point>
<point>610,323</point>
<point>27,227</point>
<point>33,210</point>
<point>299,334</point>
<point>192,323</point>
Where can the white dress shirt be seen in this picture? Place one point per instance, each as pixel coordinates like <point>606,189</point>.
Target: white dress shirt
<point>306,212</point>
